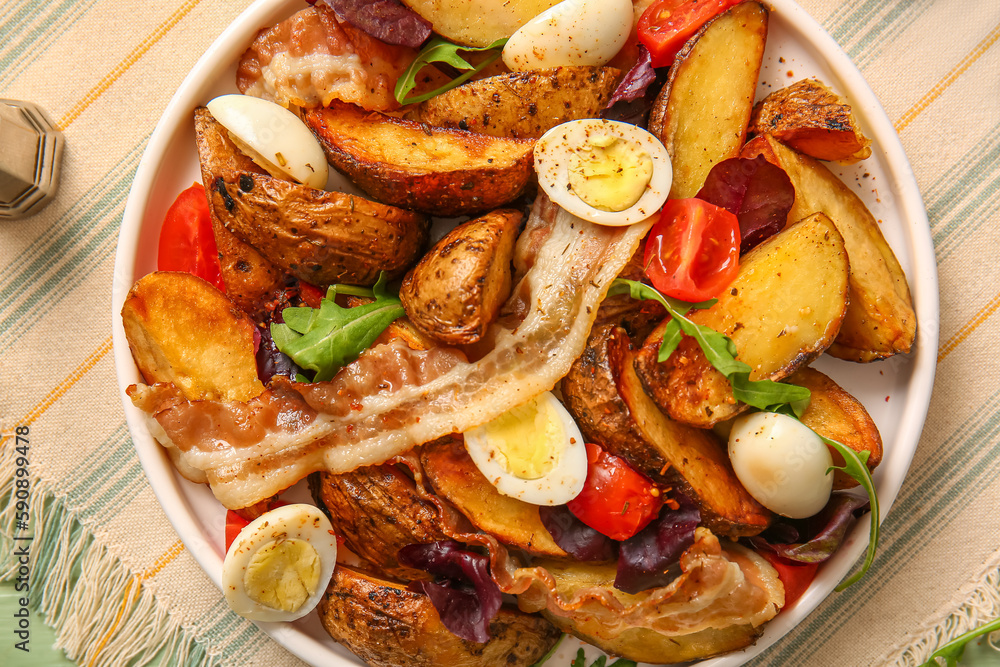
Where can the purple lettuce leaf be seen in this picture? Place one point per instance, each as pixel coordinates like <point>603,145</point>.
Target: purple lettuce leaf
<point>464,594</point>
<point>757,192</point>
<point>815,538</point>
<point>574,536</point>
<point>634,96</point>
<point>646,560</point>
<point>270,360</point>
<point>387,20</point>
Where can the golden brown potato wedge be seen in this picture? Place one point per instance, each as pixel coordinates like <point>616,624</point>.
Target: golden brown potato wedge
<point>812,119</point>
<point>318,236</point>
<point>456,478</point>
<point>183,330</point>
<point>477,22</point>
<point>387,625</point>
<point>378,512</point>
<point>701,115</point>
<point>880,321</point>
<point>835,414</point>
<point>404,163</point>
<point>250,278</point>
<point>687,458</point>
<point>784,308</point>
<point>522,104</point>
<point>455,292</point>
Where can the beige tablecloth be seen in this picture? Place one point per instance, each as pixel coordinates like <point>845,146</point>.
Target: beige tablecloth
<point>119,583</point>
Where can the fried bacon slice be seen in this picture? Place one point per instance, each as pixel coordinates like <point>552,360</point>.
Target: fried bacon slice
<point>394,398</point>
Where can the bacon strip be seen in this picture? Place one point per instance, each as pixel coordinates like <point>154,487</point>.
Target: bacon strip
<point>394,398</point>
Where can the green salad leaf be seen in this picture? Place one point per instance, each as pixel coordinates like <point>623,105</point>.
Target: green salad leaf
<point>327,338</point>
<point>581,661</point>
<point>856,465</point>
<point>719,349</point>
<point>438,50</point>
<point>952,652</point>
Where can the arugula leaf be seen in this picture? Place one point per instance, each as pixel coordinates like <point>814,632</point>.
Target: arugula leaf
<point>719,349</point>
<point>438,50</point>
<point>856,465</point>
<point>581,661</point>
<point>326,338</point>
<point>953,650</point>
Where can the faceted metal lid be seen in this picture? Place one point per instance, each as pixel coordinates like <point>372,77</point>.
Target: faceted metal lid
<point>30,153</point>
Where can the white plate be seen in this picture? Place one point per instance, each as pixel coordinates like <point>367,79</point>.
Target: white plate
<point>896,392</point>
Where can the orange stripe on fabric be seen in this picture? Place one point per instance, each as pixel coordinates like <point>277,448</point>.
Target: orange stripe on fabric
<point>64,386</point>
<point>984,314</point>
<point>949,79</point>
<point>129,60</point>
<point>135,586</point>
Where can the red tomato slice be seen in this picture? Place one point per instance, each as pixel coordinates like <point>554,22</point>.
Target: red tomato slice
<point>187,242</point>
<point>693,251</point>
<point>234,524</point>
<point>794,575</point>
<point>616,500</point>
<point>667,24</point>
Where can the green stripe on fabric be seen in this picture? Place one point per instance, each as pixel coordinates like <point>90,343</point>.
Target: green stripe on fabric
<point>864,29</point>
<point>57,19</point>
<point>965,196</point>
<point>222,628</point>
<point>106,481</point>
<point>980,436</point>
<point>61,259</point>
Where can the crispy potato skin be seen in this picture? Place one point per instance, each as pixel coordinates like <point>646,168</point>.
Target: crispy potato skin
<point>782,311</point>
<point>835,414</point>
<point>386,625</point>
<point>686,458</point>
<point>522,105</point>
<point>318,236</point>
<point>456,478</point>
<point>183,330</point>
<point>812,119</point>
<point>249,276</point>
<point>701,115</point>
<point>880,321</point>
<point>455,292</point>
<point>477,22</point>
<point>404,163</point>
<point>377,511</point>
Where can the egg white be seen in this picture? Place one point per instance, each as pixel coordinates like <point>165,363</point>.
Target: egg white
<point>566,448</point>
<point>553,158</point>
<point>276,135</point>
<point>782,463</point>
<point>571,33</point>
<point>302,522</point>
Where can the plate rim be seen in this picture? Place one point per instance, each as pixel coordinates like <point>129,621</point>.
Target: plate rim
<point>166,482</point>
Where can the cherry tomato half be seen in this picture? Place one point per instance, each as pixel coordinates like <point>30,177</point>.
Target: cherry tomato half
<point>234,524</point>
<point>187,242</point>
<point>795,576</point>
<point>616,500</point>
<point>667,24</point>
<point>693,250</point>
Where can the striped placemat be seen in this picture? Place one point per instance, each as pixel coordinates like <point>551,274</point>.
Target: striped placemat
<point>107,569</point>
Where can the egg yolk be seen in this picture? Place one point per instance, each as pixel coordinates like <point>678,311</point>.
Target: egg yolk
<point>524,439</point>
<point>282,574</point>
<point>609,173</point>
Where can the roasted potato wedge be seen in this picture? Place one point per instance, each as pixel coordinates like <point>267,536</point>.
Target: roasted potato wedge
<point>456,478</point>
<point>521,104</point>
<point>404,163</point>
<point>784,308</point>
<point>183,330</point>
<point>812,119</point>
<point>386,625</point>
<point>687,458</point>
<point>701,115</point>
<point>250,278</point>
<point>455,292</point>
<point>378,512</point>
<point>318,236</point>
<point>880,321</point>
<point>477,22</point>
<point>835,414</point>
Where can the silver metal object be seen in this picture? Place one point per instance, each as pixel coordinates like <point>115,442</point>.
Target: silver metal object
<point>30,153</point>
